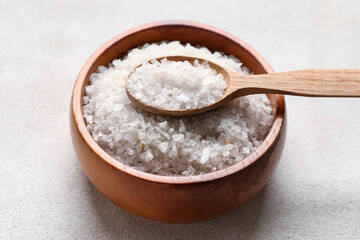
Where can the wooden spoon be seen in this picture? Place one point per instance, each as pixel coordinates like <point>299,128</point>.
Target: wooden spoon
<point>308,83</point>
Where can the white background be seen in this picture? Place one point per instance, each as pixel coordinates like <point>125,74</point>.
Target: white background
<point>315,191</point>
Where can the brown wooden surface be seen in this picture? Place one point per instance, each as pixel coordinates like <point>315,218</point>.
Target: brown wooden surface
<point>176,199</point>
<point>308,83</point>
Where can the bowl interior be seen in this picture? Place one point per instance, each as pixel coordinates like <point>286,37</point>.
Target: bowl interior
<point>185,32</point>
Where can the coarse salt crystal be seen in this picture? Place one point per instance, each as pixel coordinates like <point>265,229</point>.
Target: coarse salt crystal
<point>173,153</point>
<point>205,155</point>
<point>178,137</point>
<point>163,147</point>
<point>163,124</point>
<point>246,150</point>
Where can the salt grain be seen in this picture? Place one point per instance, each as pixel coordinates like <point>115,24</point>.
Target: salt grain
<point>173,153</point>
<point>178,137</point>
<point>205,155</point>
<point>163,146</point>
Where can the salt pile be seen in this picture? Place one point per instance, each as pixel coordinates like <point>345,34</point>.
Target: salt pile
<point>176,84</point>
<point>167,145</point>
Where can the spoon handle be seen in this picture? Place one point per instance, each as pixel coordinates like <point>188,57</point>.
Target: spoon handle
<point>312,83</point>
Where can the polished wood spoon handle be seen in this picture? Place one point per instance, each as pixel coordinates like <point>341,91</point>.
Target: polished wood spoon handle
<point>312,83</point>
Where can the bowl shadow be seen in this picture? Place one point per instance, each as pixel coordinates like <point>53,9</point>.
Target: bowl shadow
<point>116,223</point>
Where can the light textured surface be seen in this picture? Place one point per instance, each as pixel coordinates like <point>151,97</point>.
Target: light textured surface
<point>315,191</point>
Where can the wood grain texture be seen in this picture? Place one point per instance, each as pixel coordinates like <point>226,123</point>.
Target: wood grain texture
<point>309,83</point>
<point>176,199</point>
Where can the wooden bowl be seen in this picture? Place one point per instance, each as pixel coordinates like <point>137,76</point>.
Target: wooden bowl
<point>176,199</point>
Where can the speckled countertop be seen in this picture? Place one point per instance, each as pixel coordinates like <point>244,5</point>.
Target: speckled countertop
<point>315,191</point>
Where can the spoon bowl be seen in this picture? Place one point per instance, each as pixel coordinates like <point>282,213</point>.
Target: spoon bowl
<point>185,112</point>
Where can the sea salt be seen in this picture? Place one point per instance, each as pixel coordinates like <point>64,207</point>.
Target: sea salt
<point>163,146</point>
<point>166,145</point>
<point>205,155</point>
<point>176,84</point>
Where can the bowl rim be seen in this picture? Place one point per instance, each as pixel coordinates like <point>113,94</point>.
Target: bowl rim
<point>96,149</point>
